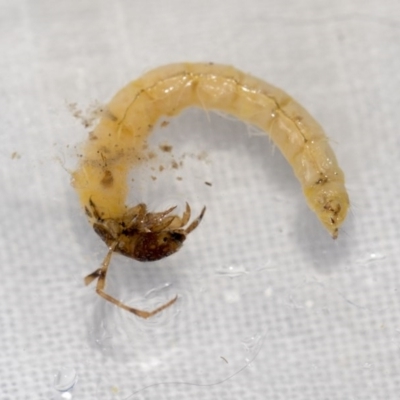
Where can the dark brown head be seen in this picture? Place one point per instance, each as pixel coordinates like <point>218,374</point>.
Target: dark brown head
<point>153,246</point>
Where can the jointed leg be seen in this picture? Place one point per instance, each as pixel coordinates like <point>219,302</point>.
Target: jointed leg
<point>186,215</point>
<point>135,215</point>
<point>164,224</point>
<point>181,221</point>
<point>156,222</point>
<point>102,271</point>
<point>101,274</point>
<point>150,222</point>
<point>196,222</point>
<point>91,277</point>
<point>139,313</point>
<point>93,212</point>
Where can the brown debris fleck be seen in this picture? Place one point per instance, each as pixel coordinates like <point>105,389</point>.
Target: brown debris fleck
<point>174,164</point>
<point>202,156</point>
<point>107,179</point>
<point>167,148</point>
<point>92,136</point>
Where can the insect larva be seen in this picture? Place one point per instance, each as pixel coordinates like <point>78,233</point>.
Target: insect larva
<point>120,137</point>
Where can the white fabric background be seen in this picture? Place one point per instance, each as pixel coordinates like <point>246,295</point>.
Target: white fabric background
<point>261,284</point>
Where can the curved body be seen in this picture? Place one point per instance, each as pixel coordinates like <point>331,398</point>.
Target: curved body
<point>118,143</point>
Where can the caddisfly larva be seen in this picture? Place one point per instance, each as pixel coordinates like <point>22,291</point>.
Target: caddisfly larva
<point>119,142</point>
<point>121,134</point>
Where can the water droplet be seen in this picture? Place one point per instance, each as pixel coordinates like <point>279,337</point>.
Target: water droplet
<point>158,289</point>
<point>309,304</point>
<point>377,256</point>
<point>268,292</point>
<point>65,379</point>
<point>265,267</point>
<point>252,346</point>
<point>373,257</point>
<point>232,271</point>
<point>101,336</point>
<point>232,296</point>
